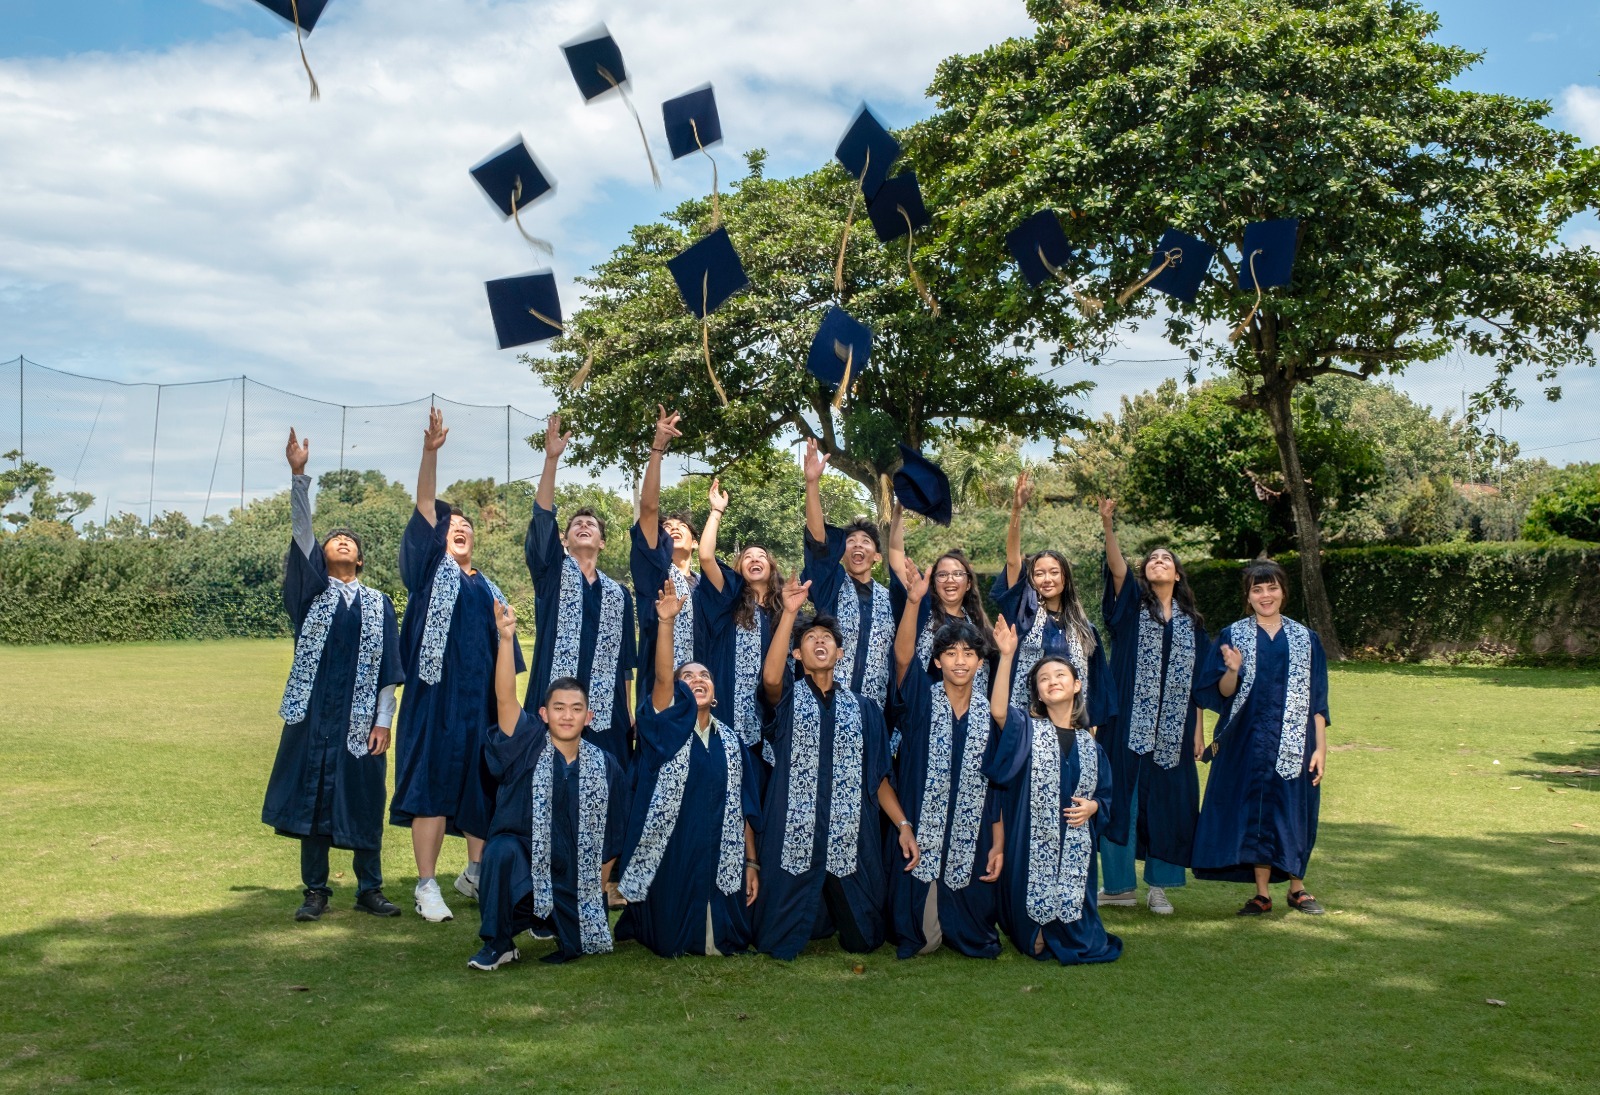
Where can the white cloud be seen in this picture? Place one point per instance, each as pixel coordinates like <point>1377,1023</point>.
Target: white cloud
<point>1579,109</point>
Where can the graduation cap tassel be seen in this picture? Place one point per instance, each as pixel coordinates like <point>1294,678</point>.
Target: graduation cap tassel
<point>1172,256</point>
<point>294,10</point>
<point>916,278</point>
<point>538,244</point>
<point>588,362</point>
<point>716,210</point>
<point>582,374</point>
<point>705,334</point>
<point>1244,324</point>
<point>844,381</point>
<point>605,74</point>
<point>850,219</point>
<point>1088,305</point>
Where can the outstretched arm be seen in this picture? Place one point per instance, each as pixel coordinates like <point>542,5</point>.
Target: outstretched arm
<point>555,443</point>
<point>428,474</point>
<point>897,542</point>
<point>795,593</point>
<point>1005,639</point>
<point>505,669</point>
<point>298,453</point>
<point>709,570</point>
<point>650,490</point>
<point>905,636</point>
<point>1114,560</point>
<point>668,605</point>
<point>1020,497</point>
<point>816,464</point>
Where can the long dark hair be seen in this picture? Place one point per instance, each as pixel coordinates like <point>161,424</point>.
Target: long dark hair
<point>1036,707</point>
<point>971,601</point>
<point>744,613</point>
<point>1263,572</point>
<point>1182,593</point>
<point>1071,617</point>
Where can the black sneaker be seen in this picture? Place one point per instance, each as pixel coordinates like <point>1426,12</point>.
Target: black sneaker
<point>373,901</point>
<point>315,905</point>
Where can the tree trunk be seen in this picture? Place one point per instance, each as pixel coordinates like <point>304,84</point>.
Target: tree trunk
<point>1277,400</point>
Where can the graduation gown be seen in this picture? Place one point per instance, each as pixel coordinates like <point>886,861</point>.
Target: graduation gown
<point>1169,798</point>
<point>1019,604</point>
<point>546,556</point>
<point>438,769</point>
<point>317,788</point>
<point>1085,939</point>
<point>506,880</point>
<point>716,627</point>
<point>1251,814</point>
<point>790,910</point>
<point>672,918</point>
<point>824,569</point>
<point>650,567</point>
<point>966,916</point>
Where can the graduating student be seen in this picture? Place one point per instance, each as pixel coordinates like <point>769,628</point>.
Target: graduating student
<point>946,736</point>
<point>583,619</point>
<point>560,813</point>
<point>689,861</point>
<point>820,845</point>
<point>1158,640</point>
<point>1039,598</point>
<point>661,550</point>
<point>448,641</point>
<point>838,569</point>
<point>1268,678</point>
<point>953,586</point>
<point>735,609</point>
<point>327,783</point>
<point>1057,795</point>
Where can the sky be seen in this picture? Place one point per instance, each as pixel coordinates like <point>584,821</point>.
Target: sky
<point>173,209</point>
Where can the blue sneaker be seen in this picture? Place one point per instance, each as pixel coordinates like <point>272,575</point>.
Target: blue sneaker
<point>492,957</point>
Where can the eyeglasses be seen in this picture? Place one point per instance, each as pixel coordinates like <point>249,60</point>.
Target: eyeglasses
<point>951,576</point>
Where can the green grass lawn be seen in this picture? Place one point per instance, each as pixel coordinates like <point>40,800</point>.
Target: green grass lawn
<point>147,939</point>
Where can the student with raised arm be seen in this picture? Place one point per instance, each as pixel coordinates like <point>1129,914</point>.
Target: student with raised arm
<point>1158,640</point>
<point>561,806</point>
<point>821,851</point>
<point>689,861</point>
<point>1268,678</point>
<point>838,569</point>
<point>662,550</point>
<point>953,597</point>
<point>327,784</point>
<point>946,736</point>
<point>735,610</point>
<point>583,619</point>
<point>1057,794</point>
<point>448,641</point>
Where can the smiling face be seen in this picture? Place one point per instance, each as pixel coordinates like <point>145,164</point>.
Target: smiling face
<point>683,537</point>
<point>698,678</point>
<point>1160,567</point>
<point>342,550</point>
<point>755,565</point>
<point>1266,598</point>
<point>566,712</point>
<point>1049,579</point>
<point>1056,683</point>
<point>459,540</point>
<point>860,555</point>
<point>583,532</point>
<point>818,650</point>
<point>950,584</point>
<point>958,663</point>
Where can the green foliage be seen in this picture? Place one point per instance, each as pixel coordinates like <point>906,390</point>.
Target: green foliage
<point>1571,507</point>
<point>45,507</point>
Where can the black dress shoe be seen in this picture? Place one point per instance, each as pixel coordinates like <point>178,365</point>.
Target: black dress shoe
<point>373,901</point>
<point>315,905</point>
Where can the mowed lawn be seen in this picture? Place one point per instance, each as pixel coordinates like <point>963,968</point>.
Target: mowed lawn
<point>147,939</point>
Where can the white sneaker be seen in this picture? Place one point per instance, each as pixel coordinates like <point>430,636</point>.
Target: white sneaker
<point>1127,898</point>
<point>1157,900</point>
<point>430,902</point>
<point>467,887</point>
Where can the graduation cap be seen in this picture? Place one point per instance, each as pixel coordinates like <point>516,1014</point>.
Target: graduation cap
<point>596,64</point>
<point>867,151</point>
<point>1177,268</point>
<point>1041,249</point>
<point>922,486</point>
<point>513,180</point>
<point>840,351</point>
<point>304,15</point>
<point>1266,261</point>
<point>692,124</point>
<point>897,210</point>
<point>708,273</point>
<point>525,308</point>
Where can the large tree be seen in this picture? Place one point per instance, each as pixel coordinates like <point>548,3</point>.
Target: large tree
<point>955,375</point>
<point>1430,215</point>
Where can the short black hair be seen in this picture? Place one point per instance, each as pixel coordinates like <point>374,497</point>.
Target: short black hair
<point>456,511</point>
<point>955,632</point>
<point>1263,572</point>
<point>684,517</point>
<point>810,622</point>
<point>361,549</point>
<point>586,511</point>
<point>868,527</point>
<point>566,684</point>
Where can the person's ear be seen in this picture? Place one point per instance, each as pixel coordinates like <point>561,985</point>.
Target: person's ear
<point>588,716</point>
<point>544,715</point>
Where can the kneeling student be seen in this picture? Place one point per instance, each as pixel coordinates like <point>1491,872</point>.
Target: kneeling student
<point>558,821</point>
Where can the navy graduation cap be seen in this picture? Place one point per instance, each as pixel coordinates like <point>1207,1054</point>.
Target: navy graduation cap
<point>897,208</point>
<point>511,178</point>
<point>922,486</point>
<point>840,351</point>
<point>1040,247</point>
<point>302,13</point>
<point>867,151</point>
<point>691,116</point>
<point>525,308</point>
<point>708,273</point>
<point>1186,260</point>
<point>596,63</point>
<point>1267,257</point>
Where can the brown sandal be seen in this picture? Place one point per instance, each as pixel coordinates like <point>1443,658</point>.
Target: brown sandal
<point>1301,901</point>
<point>1256,906</point>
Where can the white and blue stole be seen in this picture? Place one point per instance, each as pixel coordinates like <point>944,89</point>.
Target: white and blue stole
<point>593,800</point>
<point>970,788</point>
<point>441,609</point>
<point>844,809</point>
<point>1030,651</point>
<point>666,803</point>
<point>683,623</point>
<point>746,679</point>
<point>1160,713</point>
<point>880,636</point>
<point>1058,854</point>
<point>308,657</point>
<point>1296,693</point>
<point>608,644</point>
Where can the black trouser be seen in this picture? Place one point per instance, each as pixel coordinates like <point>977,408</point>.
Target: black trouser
<point>314,866</point>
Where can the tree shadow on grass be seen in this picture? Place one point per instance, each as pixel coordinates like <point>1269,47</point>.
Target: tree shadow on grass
<point>1578,768</point>
<point>1392,984</point>
<point>1572,677</point>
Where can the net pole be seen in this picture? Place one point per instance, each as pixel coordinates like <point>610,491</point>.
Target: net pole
<point>22,421</point>
<point>243,387</point>
<point>150,507</point>
<point>343,411</point>
<point>508,446</point>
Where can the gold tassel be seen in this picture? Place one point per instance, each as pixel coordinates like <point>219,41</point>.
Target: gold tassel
<point>516,215</point>
<point>916,278</point>
<point>1089,306</point>
<point>716,210</point>
<point>850,219</point>
<point>588,362</point>
<point>844,381</point>
<point>294,10</point>
<point>1244,324</point>
<point>705,334</point>
<point>1174,255</point>
<point>605,74</point>
<point>582,374</point>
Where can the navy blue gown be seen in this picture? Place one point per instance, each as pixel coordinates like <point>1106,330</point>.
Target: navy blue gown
<point>966,915</point>
<point>1019,604</point>
<point>650,567</point>
<point>672,918</point>
<point>1251,814</point>
<point>1085,939</point>
<point>824,569</point>
<point>1168,798</point>
<point>546,556</point>
<point>791,910</point>
<point>505,886</point>
<point>317,788</point>
<point>438,769</point>
<point>715,623</point>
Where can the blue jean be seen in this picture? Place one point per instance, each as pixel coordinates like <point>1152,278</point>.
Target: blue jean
<point>314,866</point>
<point>1116,861</point>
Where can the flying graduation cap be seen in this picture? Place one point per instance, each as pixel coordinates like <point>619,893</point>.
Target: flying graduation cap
<point>708,273</point>
<point>1177,268</point>
<point>692,124</point>
<point>1266,261</point>
<point>867,151</point>
<point>526,308</point>
<point>512,180</point>
<point>596,63</point>
<point>1041,249</point>
<point>304,15</point>
<point>839,352</point>
<point>897,210</point>
<point>922,486</point>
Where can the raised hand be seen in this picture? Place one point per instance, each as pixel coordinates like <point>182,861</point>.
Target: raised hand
<point>1005,638</point>
<point>555,442</point>
<point>718,496</point>
<point>433,437</point>
<point>816,461</point>
<point>1231,658</point>
<point>1108,506</point>
<point>666,428</point>
<point>916,583</point>
<point>795,593</point>
<point>1022,493</point>
<point>505,621</point>
<point>668,602</point>
<point>298,453</point>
